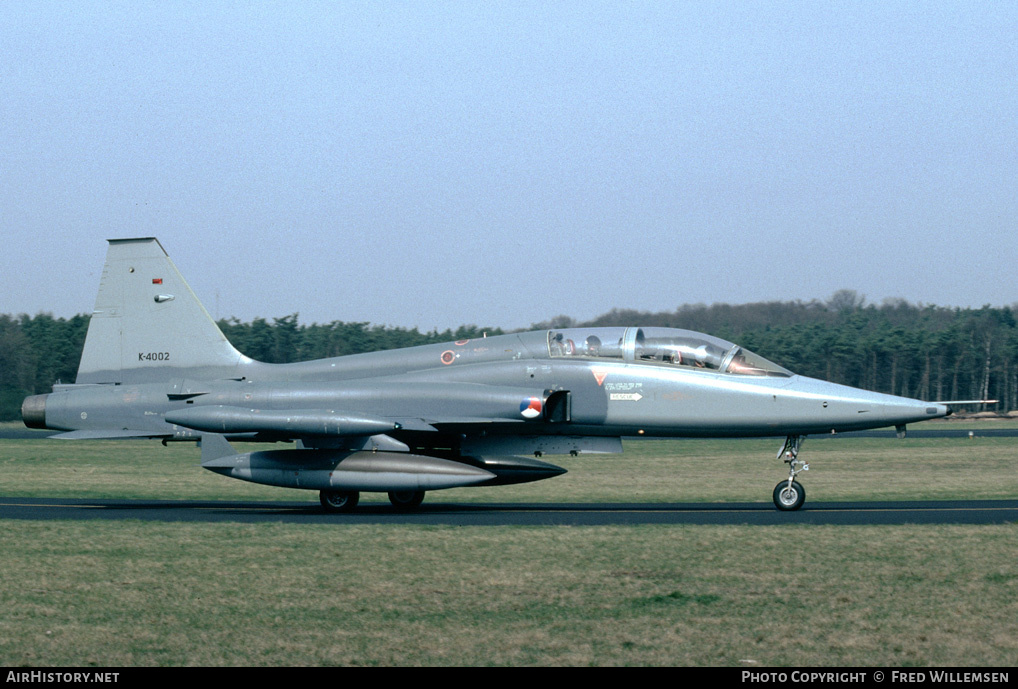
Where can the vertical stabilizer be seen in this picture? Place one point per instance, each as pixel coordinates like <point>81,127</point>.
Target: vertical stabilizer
<point>148,325</point>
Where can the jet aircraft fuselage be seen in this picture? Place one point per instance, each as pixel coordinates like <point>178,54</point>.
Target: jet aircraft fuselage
<point>471,412</point>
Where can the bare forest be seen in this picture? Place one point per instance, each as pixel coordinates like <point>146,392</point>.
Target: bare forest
<point>922,351</point>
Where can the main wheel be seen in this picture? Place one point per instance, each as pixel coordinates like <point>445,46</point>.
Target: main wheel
<point>788,498</point>
<point>339,500</point>
<point>406,499</point>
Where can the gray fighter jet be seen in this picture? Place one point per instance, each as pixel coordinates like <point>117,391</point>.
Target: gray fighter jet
<point>469,413</point>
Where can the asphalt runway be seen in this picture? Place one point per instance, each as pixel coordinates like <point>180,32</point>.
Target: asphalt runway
<point>506,514</point>
<point>435,512</point>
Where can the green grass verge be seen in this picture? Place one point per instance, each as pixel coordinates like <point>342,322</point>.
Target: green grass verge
<point>692,470</point>
<point>143,593</point>
<point>103,593</point>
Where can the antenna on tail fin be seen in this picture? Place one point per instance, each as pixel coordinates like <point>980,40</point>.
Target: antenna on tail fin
<point>148,325</point>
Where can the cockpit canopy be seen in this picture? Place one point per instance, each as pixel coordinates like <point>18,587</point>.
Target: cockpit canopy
<point>665,346</point>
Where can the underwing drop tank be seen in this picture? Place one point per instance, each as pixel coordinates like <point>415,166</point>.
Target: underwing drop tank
<point>345,470</point>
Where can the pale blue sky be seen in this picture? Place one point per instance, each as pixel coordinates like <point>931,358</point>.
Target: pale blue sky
<point>434,164</point>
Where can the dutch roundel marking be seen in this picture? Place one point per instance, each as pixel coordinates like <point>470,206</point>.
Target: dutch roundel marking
<point>461,342</point>
<point>448,356</point>
<point>530,408</point>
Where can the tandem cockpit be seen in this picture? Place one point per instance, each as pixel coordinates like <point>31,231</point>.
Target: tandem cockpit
<point>662,346</point>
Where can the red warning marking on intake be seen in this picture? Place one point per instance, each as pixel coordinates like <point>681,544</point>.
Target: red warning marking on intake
<point>599,374</point>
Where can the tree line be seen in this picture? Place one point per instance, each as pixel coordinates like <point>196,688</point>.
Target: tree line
<point>922,351</point>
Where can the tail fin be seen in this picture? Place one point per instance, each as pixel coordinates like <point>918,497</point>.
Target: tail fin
<point>148,325</point>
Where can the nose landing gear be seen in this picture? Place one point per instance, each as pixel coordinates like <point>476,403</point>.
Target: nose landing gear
<point>789,494</point>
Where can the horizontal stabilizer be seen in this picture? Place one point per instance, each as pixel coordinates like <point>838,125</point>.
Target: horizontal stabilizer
<point>108,435</point>
<point>290,422</point>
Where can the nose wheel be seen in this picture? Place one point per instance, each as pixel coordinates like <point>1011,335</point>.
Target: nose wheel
<point>789,494</point>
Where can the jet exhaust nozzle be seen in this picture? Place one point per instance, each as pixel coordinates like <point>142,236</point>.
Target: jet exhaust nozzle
<point>33,411</point>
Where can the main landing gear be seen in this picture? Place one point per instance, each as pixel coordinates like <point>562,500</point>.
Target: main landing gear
<point>789,494</point>
<point>406,499</point>
<point>338,501</point>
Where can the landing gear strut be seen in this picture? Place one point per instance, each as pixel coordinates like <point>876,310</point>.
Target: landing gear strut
<point>789,494</point>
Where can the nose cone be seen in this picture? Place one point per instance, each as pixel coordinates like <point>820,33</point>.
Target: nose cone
<point>903,410</point>
<point>844,408</point>
<point>512,470</point>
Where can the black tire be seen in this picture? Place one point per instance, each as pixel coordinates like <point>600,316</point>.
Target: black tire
<point>339,500</point>
<point>406,499</point>
<point>788,498</point>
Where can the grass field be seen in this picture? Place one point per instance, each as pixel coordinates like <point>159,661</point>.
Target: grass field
<point>140,593</point>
